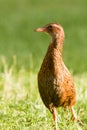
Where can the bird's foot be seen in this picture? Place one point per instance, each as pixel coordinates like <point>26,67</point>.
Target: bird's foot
<point>56,129</point>
<point>80,122</point>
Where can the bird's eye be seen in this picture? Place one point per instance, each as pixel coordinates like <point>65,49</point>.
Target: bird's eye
<point>50,27</point>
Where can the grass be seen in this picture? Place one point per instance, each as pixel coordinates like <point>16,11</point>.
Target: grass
<point>22,109</point>
<point>21,54</point>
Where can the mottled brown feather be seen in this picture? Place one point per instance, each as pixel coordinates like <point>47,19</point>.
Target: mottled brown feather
<point>55,82</point>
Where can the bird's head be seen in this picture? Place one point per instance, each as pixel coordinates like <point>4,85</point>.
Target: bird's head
<point>53,29</point>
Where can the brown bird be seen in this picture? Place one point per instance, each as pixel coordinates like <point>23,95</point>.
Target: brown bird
<point>55,83</point>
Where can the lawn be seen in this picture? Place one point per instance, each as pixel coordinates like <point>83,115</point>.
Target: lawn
<point>21,53</point>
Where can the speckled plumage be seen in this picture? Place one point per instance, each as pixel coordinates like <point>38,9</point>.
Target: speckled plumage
<point>55,82</point>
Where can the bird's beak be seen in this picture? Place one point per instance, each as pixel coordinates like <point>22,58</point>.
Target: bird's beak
<point>43,29</point>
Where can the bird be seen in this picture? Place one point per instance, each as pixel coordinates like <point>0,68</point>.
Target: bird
<point>55,82</point>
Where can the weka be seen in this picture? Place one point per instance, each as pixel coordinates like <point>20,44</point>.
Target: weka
<point>55,82</point>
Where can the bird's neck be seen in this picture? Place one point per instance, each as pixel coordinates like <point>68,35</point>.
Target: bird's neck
<point>58,41</point>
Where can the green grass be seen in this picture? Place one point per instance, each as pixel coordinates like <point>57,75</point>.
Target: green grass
<point>21,53</point>
<point>22,109</point>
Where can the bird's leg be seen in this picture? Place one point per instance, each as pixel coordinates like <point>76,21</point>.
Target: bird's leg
<point>54,112</point>
<point>74,116</point>
<point>55,118</point>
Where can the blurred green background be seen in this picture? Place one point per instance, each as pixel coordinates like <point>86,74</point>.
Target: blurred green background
<point>19,18</point>
<point>21,53</point>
